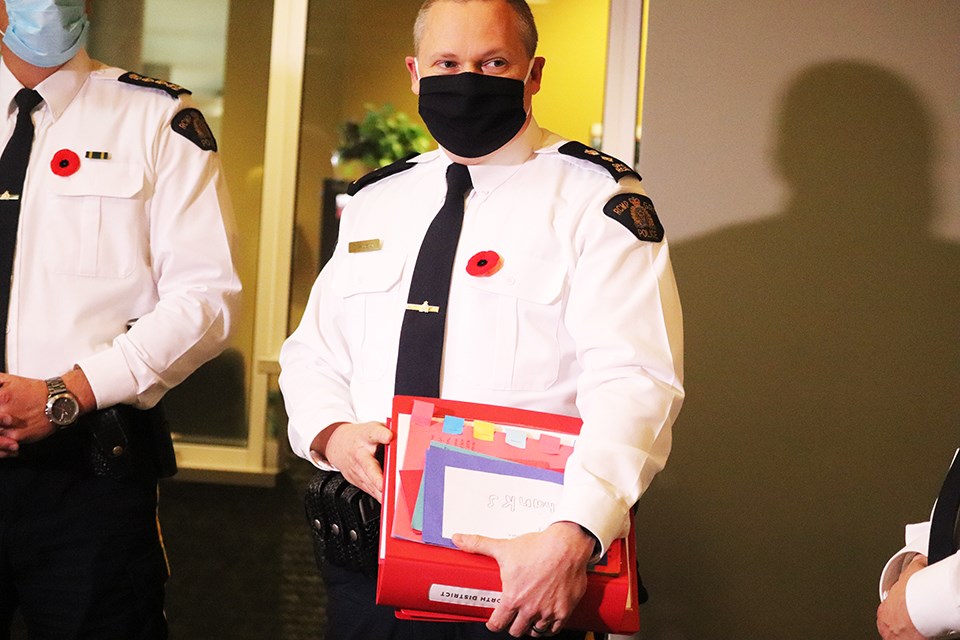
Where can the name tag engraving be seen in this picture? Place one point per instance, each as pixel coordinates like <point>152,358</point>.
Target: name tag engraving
<point>363,246</point>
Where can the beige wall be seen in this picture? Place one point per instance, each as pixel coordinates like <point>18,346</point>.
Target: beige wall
<point>803,160</point>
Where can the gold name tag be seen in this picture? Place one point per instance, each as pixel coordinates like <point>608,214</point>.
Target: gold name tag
<point>362,246</point>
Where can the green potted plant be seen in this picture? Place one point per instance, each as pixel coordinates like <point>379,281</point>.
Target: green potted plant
<point>383,136</point>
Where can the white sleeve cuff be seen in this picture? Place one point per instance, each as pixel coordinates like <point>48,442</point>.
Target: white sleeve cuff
<point>301,439</point>
<point>604,517</point>
<point>110,378</point>
<point>892,570</point>
<point>915,537</point>
<point>933,598</point>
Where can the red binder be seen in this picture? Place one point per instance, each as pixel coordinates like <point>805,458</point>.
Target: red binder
<point>427,582</point>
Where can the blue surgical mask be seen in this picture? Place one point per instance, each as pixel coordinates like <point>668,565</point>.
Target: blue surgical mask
<point>46,33</point>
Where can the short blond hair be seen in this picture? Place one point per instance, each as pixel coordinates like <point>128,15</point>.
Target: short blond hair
<point>526,25</point>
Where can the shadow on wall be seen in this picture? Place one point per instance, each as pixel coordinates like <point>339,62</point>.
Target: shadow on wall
<point>823,378</point>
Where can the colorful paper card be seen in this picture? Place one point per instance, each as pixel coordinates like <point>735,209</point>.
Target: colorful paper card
<point>406,476</point>
<point>416,433</point>
<point>551,454</point>
<point>471,494</point>
<point>422,413</point>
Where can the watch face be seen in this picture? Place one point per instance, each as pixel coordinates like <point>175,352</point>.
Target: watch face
<point>63,410</point>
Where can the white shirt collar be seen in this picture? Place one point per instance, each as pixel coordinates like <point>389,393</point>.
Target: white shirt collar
<point>58,90</point>
<point>497,167</point>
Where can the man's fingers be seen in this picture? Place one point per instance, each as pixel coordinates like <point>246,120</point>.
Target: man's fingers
<point>501,619</point>
<point>522,625</point>
<point>548,629</point>
<point>473,543</point>
<point>8,442</point>
<point>916,564</point>
<point>372,477</point>
<point>380,435</point>
<point>9,447</point>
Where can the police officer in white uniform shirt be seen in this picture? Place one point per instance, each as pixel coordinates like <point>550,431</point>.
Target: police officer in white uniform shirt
<point>562,299</point>
<point>920,585</point>
<point>122,283</point>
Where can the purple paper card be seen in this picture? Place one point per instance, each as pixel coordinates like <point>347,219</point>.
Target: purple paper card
<point>498,493</point>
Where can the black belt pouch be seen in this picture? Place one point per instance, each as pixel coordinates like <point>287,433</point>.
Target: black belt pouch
<point>344,523</point>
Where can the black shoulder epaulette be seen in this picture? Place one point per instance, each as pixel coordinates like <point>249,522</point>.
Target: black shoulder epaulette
<point>617,168</point>
<point>379,174</point>
<point>173,90</point>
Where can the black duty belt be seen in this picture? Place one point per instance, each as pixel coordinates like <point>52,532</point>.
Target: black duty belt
<point>118,442</point>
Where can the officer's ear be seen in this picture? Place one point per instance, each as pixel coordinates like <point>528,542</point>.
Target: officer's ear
<point>536,74</point>
<point>414,75</point>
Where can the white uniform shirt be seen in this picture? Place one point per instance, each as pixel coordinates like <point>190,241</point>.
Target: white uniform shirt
<point>582,319</point>
<point>141,239</point>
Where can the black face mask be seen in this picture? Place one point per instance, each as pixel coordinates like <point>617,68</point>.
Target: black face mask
<point>471,114</point>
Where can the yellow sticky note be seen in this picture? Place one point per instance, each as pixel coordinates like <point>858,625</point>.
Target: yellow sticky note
<point>483,430</point>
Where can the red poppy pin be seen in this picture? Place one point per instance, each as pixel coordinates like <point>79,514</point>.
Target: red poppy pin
<point>65,163</point>
<point>485,263</point>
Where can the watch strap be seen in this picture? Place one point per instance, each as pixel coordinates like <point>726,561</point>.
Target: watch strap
<point>55,386</point>
<point>57,390</point>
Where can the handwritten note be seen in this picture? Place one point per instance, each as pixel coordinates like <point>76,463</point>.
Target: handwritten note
<point>494,505</point>
<point>471,494</point>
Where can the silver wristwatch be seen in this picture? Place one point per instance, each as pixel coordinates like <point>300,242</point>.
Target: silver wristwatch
<point>62,407</point>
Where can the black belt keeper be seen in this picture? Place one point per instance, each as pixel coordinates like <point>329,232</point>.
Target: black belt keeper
<point>120,442</point>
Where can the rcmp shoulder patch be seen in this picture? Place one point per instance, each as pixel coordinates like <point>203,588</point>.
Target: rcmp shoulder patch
<point>190,124</point>
<point>636,213</point>
<point>379,174</point>
<point>173,90</point>
<point>617,168</point>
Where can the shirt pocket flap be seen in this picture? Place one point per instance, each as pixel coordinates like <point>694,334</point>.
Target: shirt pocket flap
<point>373,272</point>
<point>523,277</point>
<point>102,178</point>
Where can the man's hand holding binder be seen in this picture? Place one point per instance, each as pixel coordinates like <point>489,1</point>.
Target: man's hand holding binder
<point>544,575</point>
<point>352,449</point>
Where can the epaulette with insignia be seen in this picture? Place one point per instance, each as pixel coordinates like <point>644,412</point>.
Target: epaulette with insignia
<point>617,168</point>
<point>636,213</point>
<point>190,124</point>
<point>379,174</point>
<point>174,90</point>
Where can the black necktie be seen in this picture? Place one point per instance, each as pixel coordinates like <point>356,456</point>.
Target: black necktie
<point>943,527</point>
<point>421,336</point>
<point>13,169</point>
